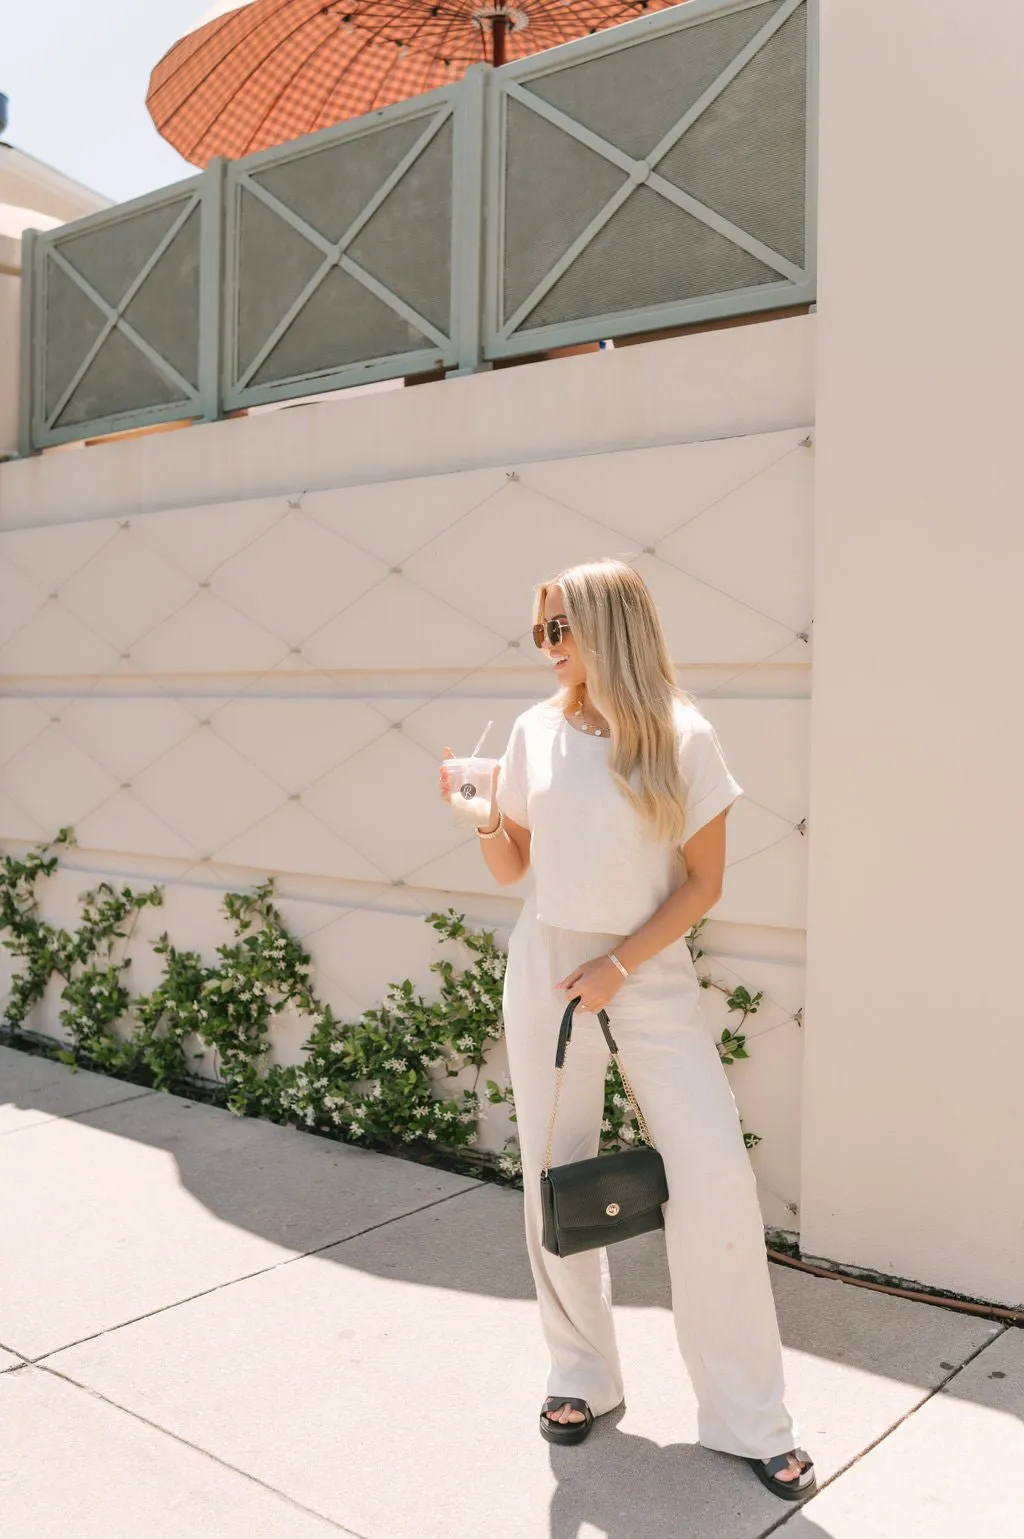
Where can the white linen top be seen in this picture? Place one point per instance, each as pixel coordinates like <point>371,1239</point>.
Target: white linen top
<point>597,864</point>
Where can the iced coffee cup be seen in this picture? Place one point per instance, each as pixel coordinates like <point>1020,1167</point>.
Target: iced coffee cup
<point>470,782</point>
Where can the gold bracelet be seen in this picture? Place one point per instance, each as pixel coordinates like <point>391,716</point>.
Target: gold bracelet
<point>613,958</point>
<point>494,831</point>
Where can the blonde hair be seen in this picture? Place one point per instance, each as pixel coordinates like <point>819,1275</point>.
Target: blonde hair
<point>631,681</point>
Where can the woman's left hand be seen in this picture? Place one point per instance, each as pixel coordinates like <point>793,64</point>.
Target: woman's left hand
<point>596,982</point>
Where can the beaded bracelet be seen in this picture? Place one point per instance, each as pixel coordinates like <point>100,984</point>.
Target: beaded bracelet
<point>494,831</point>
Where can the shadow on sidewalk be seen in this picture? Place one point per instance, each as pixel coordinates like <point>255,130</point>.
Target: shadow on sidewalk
<point>404,1221</point>
<point>623,1486</point>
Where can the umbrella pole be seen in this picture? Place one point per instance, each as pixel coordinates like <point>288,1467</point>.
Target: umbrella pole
<point>499,29</point>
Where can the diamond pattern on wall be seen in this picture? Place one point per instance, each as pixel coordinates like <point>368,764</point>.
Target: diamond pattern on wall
<point>20,599</point>
<point>457,723</point>
<point>127,734</point>
<point>356,943</point>
<point>18,824</point>
<point>124,591</point>
<point>391,527</point>
<point>296,742</point>
<point>769,519</point>
<point>293,839</point>
<point>545,540</point>
<point>206,792</point>
<point>302,646</point>
<point>397,625</point>
<point>653,492</point>
<point>458,870</point>
<point>50,556</point>
<point>703,626</point>
<point>208,636</point>
<point>775,864</point>
<point>389,793</point>
<point>769,751</point>
<point>198,540</point>
<point>51,772</point>
<point>53,641</point>
<point>296,577</point>
<point>21,721</point>
<point>126,825</point>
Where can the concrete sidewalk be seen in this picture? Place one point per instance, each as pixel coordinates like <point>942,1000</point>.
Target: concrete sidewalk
<point>222,1328</point>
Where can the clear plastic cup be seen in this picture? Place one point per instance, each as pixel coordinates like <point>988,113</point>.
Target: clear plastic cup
<point>470,782</point>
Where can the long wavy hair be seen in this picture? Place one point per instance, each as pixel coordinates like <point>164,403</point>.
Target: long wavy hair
<point>631,681</point>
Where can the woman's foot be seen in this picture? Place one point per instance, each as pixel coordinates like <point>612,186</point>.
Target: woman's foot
<point>565,1420</point>
<point>789,1475</point>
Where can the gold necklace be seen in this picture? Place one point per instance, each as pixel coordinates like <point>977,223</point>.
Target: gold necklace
<point>584,726</point>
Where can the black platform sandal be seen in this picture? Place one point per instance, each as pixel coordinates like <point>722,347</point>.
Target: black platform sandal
<point>768,1471</point>
<point>568,1431</point>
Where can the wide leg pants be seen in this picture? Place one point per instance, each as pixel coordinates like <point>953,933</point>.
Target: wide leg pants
<point>722,1301</point>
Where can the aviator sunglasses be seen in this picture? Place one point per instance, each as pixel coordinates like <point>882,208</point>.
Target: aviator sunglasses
<point>550,631</point>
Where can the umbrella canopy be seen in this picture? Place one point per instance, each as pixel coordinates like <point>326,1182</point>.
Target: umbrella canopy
<point>276,69</point>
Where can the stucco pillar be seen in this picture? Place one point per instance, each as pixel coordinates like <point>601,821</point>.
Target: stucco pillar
<point>913,1130</point>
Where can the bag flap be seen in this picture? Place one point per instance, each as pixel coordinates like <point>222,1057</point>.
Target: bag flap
<point>630,1183</point>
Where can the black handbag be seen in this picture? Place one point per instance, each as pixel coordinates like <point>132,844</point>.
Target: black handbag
<point>592,1203</point>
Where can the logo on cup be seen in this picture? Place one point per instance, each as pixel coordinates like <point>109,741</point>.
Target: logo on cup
<point>468,790</point>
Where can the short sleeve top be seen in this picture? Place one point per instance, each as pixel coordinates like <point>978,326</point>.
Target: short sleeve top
<point>597,864</point>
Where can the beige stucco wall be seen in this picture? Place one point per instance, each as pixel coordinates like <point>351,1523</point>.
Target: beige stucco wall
<point>28,183</point>
<point>10,341</point>
<point>913,1135</point>
<point>340,589</point>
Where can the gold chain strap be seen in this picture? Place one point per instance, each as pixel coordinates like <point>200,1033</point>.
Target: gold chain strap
<point>559,1076</point>
<point>627,1087</point>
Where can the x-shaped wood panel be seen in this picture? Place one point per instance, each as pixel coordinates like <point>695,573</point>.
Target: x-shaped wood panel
<point>641,173</point>
<point>334,253</point>
<point>114,319</point>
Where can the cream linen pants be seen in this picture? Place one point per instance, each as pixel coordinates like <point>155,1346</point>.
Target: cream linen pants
<point>722,1301</point>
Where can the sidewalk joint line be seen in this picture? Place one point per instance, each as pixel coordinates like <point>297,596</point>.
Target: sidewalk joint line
<point>176,1437</point>
<point>86,1111</point>
<point>881,1438</point>
<point>230,1282</point>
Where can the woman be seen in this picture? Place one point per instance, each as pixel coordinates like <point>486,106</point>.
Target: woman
<point>616,793</point>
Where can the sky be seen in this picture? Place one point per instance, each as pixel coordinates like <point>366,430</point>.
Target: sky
<point>75,73</point>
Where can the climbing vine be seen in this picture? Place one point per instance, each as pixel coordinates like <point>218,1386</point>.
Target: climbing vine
<point>404,1077</point>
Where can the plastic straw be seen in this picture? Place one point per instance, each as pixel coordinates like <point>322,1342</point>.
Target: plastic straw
<point>483,735</point>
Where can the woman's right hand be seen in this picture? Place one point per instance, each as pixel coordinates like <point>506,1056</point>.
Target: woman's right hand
<point>446,794</point>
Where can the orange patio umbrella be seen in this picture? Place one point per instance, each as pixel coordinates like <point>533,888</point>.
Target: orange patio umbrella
<point>276,69</point>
